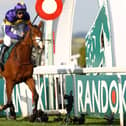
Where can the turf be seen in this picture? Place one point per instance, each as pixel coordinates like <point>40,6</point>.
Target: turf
<point>51,122</point>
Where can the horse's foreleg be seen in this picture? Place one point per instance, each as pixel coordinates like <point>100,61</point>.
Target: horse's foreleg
<point>9,88</point>
<point>31,84</point>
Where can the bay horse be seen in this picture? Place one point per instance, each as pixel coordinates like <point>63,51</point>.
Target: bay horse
<point>19,68</point>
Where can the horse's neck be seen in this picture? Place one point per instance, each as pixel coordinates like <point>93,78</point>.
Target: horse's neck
<point>27,39</point>
<point>24,50</point>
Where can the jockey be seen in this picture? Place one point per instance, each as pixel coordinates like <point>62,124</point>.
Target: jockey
<point>14,17</point>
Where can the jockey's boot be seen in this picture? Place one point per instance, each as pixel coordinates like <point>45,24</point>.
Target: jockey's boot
<point>3,50</point>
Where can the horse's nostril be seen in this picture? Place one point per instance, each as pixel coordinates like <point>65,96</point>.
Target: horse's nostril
<point>38,47</point>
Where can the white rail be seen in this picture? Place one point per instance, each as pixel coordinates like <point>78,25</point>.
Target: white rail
<point>71,69</point>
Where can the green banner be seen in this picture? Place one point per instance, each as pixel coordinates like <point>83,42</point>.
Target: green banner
<point>97,41</point>
<point>100,94</point>
<point>95,94</point>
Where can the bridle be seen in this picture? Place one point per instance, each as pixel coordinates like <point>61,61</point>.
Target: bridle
<point>37,39</point>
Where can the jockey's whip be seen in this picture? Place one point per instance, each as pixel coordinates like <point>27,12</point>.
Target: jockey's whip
<point>35,19</point>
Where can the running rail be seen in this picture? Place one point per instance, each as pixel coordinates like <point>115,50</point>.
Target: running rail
<point>76,70</point>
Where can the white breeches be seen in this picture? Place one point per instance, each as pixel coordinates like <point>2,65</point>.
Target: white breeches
<point>7,40</point>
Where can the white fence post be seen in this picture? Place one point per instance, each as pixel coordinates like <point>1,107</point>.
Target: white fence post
<point>74,92</point>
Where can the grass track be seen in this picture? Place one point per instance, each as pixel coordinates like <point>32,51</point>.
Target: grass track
<point>23,122</point>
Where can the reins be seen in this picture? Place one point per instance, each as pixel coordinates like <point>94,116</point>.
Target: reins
<point>35,18</point>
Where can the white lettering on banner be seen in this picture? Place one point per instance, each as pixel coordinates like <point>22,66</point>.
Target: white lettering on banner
<point>102,98</point>
<point>124,95</point>
<point>80,93</point>
<point>92,95</point>
<point>16,99</point>
<point>95,96</point>
<point>88,97</point>
<point>39,89</point>
<point>22,96</point>
<point>104,86</point>
<point>26,98</point>
<point>113,85</point>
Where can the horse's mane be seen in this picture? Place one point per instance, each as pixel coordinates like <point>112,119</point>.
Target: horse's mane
<point>27,34</point>
<point>23,38</point>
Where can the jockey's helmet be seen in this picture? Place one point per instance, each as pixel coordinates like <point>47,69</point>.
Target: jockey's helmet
<point>20,6</point>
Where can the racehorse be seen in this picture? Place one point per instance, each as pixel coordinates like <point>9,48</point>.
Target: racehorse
<point>19,68</point>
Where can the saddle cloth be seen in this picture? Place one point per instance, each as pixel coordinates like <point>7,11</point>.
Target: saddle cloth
<point>7,53</point>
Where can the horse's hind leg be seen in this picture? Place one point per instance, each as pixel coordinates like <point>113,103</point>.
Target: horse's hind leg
<point>9,88</point>
<point>31,84</point>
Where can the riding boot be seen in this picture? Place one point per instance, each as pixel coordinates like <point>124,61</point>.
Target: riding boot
<point>3,50</point>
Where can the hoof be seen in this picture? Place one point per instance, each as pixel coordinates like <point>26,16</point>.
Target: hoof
<point>12,117</point>
<point>32,118</point>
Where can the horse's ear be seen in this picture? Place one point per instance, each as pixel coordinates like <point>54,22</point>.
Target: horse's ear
<point>41,23</point>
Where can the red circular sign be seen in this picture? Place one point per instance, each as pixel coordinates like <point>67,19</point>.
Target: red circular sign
<point>48,16</point>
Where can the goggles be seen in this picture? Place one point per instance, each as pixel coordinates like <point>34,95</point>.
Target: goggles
<point>20,12</point>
